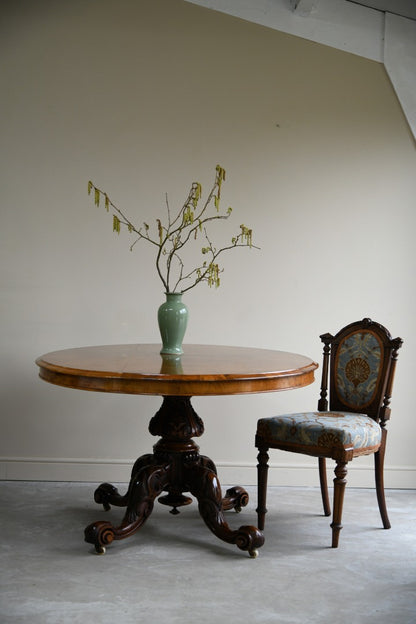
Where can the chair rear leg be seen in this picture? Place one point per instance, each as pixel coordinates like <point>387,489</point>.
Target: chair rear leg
<point>379,474</point>
<point>339,489</point>
<point>262,471</point>
<point>324,486</point>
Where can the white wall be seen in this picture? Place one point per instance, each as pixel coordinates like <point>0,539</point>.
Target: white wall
<point>144,97</point>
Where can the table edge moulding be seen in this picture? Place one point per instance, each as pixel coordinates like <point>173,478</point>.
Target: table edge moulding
<point>202,370</point>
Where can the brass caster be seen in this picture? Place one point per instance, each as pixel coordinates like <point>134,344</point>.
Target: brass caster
<point>253,553</point>
<point>100,550</point>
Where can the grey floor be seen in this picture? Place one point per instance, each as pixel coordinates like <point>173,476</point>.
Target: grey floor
<point>175,571</point>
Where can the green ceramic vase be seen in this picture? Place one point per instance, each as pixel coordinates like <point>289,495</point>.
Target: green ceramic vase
<point>172,317</point>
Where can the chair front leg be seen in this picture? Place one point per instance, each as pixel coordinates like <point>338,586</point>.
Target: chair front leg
<point>262,471</point>
<point>339,489</point>
<point>324,486</point>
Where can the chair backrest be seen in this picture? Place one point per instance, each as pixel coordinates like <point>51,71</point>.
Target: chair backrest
<point>360,360</point>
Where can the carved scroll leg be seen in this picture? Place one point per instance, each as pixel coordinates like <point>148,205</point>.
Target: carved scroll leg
<point>207,463</point>
<point>235,498</point>
<point>339,489</point>
<point>147,485</point>
<point>107,495</point>
<point>379,470</point>
<point>206,488</point>
<point>324,486</point>
<point>262,471</point>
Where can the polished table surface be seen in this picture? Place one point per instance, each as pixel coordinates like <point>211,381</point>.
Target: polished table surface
<point>175,466</point>
<point>201,370</point>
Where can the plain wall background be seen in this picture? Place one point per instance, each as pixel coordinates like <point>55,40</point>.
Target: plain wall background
<point>144,97</point>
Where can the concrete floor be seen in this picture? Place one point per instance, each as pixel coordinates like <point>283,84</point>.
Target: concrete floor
<point>175,571</point>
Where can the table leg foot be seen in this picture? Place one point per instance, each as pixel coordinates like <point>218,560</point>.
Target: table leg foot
<point>147,484</point>
<point>206,488</point>
<point>235,498</point>
<point>107,495</point>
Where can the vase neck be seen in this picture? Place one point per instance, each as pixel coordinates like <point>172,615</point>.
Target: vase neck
<point>173,295</point>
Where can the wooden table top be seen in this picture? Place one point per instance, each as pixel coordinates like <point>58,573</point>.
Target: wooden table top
<point>201,370</point>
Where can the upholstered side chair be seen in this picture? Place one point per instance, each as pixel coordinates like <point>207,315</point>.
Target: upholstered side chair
<point>360,362</point>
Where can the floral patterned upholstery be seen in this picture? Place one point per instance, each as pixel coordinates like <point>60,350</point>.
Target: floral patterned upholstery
<point>325,429</point>
<point>357,369</point>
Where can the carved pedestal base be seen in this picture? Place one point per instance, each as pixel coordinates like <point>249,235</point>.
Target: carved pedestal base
<point>174,467</point>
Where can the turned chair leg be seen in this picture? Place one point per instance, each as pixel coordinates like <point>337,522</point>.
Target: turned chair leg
<point>379,474</point>
<point>324,486</point>
<point>262,471</point>
<point>339,489</point>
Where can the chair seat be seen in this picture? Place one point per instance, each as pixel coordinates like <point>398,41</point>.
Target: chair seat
<point>321,429</point>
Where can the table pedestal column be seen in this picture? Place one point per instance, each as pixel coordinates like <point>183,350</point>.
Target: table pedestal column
<point>174,467</point>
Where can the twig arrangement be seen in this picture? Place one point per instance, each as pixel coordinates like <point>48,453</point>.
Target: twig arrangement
<point>191,221</point>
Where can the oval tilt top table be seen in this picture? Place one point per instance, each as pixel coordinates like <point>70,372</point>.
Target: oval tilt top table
<point>175,466</point>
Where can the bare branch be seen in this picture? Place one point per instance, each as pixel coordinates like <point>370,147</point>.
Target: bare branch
<point>191,219</point>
